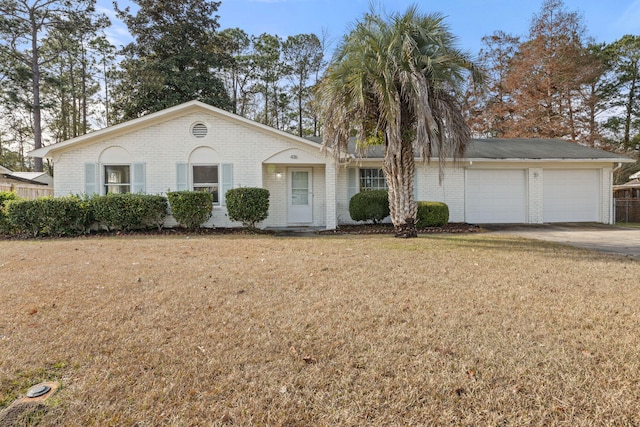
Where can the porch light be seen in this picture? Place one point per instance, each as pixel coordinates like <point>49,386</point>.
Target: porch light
<point>278,175</point>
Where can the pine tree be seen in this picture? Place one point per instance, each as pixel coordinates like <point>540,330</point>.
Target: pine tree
<point>176,57</point>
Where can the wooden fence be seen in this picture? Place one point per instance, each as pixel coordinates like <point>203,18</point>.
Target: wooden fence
<point>27,191</point>
<point>627,210</point>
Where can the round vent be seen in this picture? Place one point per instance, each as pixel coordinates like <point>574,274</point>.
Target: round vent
<point>199,130</point>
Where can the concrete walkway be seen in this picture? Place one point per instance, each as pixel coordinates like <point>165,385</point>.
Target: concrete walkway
<point>600,237</point>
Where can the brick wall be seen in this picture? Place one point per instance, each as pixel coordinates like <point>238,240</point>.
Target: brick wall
<point>163,145</point>
<point>452,188</point>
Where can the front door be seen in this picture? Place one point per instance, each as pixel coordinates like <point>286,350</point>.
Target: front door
<point>300,205</point>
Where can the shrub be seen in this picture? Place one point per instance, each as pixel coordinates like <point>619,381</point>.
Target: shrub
<point>5,197</point>
<point>48,216</point>
<point>129,211</point>
<point>191,209</point>
<point>432,214</point>
<point>248,205</point>
<point>369,206</point>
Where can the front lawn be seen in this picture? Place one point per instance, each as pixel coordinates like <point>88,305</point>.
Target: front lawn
<point>468,329</point>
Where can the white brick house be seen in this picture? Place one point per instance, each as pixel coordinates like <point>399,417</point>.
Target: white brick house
<point>196,146</point>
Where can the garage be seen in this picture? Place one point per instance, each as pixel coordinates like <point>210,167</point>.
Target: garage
<point>571,195</point>
<point>495,196</point>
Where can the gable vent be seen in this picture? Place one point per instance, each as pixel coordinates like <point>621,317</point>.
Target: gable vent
<point>199,130</point>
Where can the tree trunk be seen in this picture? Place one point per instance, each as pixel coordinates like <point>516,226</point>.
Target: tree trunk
<point>35,84</point>
<point>399,169</point>
<point>83,89</point>
<point>301,82</point>
<point>629,112</point>
<point>106,90</point>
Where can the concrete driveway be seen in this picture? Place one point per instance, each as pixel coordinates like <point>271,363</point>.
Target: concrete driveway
<point>600,237</point>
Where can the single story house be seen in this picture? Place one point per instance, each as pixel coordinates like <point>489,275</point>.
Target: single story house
<point>29,185</point>
<point>194,146</point>
<point>627,200</point>
<point>629,190</point>
<point>41,177</point>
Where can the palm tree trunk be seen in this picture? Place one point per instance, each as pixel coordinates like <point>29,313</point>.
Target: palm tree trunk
<point>399,169</point>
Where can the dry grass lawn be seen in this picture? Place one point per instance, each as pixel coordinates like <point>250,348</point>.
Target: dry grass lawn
<point>473,329</point>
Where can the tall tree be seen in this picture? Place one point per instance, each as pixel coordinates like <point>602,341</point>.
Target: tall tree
<point>239,69</point>
<point>105,54</point>
<point>175,57</point>
<point>18,120</point>
<point>397,81</point>
<point>551,85</point>
<point>268,72</point>
<point>302,55</point>
<point>73,77</point>
<point>23,25</point>
<point>547,73</point>
<point>491,106</point>
<point>626,71</point>
<point>594,94</point>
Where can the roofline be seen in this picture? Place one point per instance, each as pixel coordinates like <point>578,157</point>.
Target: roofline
<point>625,186</point>
<point>510,160</point>
<point>20,179</point>
<point>551,159</point>
<point>168,113</point>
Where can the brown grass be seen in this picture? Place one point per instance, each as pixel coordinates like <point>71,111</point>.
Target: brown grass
<point>350,331</point>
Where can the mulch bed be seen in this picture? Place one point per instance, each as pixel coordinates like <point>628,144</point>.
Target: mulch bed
<point>388,229</point>
<point>341,230</point>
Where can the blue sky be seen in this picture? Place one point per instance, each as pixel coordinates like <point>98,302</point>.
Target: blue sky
<point>470,20</point>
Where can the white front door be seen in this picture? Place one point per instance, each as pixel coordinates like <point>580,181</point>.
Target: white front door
<point>300,205</point>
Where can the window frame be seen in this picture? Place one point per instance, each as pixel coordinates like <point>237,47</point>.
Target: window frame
<point>202,185</point>
<point>362,179</point>
<point>105,179</point>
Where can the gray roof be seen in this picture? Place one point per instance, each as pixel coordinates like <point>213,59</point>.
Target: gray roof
<point>516,148</point>
<point>634,183</point>
<point>530,148</point>
<point>13,177</point>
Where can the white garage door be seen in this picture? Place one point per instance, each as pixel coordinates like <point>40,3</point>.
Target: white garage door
<point>495,196</point>
<point>571,195</point>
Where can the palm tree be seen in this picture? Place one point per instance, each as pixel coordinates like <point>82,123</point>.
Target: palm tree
<point>395,82</point>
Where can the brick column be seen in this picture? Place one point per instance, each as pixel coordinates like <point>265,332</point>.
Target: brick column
<point>330,176</point>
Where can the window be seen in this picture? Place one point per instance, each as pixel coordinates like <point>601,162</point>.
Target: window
<point>117,179</point>
<point>372,179</point>
<point>205,178</point>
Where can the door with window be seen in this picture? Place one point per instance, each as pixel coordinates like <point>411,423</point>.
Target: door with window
<point>300,205</point>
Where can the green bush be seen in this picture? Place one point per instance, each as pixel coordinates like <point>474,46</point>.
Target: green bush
<point>129,211</point>
<point>249,205</point>
<point>48,216</point>
<point>191,209</point>
<point>5,197</point>
<point>432,214</point>
<point>369,206</point>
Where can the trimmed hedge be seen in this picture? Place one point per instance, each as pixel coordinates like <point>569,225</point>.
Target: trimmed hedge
<point>248,205</point>
<point>129,211</point>
<point>48,216</point>
<point>5,197</point>
<point>369,206</point>
<point>432,214</point>
<point>191,209</point>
